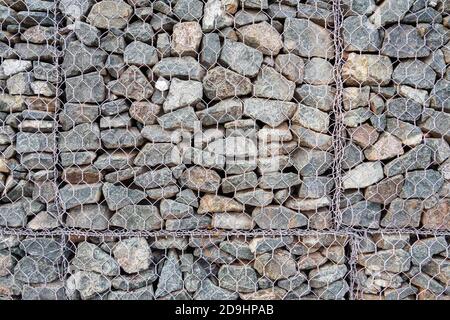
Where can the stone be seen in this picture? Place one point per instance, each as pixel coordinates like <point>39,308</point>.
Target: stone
<point>79,59</point>
<point>83,137</point>
<point>311,162</point>
<point>440,149</point>
<point>404,41</point>
<point>138,294</point>
<point>359,34</point>
<point>237,278</point>
<point>75,9</point>
<point>184,118</point>
<point>182,94</point>
<point>121,138</point>
<point>366,69</point>
<point>256,197</point>
<point>390,11</point>
<point>234,147</point>
<point>362,214</point>
<point>436,123</point>
<point>76,195</point>
<point>139,31</point>
<point>20,84</point>
<point>319,71</point>
<point>43,221</point>
<point>118,197</point>
<point>291,66</point>
<point>34,142</point>
<point>249,60</point>
<point>113,41</point>
<point>49,291</point>
<point>272,85</point>
<point>421,184</point>
<point>363,175</point>
<point>393,260</point>
<point>416,158</point>
<point>414,73</point>
<point>315,187</point>
<point>87,34</point>
<point>41,52</point>
<point>232,221</point>
<point>186,38</point>
<point>85,88</point>
<point>215,203</point>
<point>278,217</point>
<point>220,83</point>
<point>311,118</point>
<point>132,84</point>
<point>171,209</point>
<point>278,180</point>
<point>307,39</point>
<point>92,216</point>
<point>385,191</point>
<point>408,134</point>
<point>215,16</point>
<point>354,97</point>
<point>133,254</point>
<point>88,284</point>
<point>275,266</point>
<point>109,14</point>
<point>387,146</point>
<point>188,10</point>
<point>223,111</point>
<point>270,112</point>
<point>155,178</point>
<point>140,54</point>
<point>153,154</point>
<point>210,49</point>
<point>261,36</point>
<point>179,67</point>
<point>320,96</point>
<point>171,278</point>
<point>207,290</point>
<point>33,270</point>
<point>439,95</point>
<point>423,250</point>
<point>89,257</point>
<point>200,179</point>
<point>437,218</point>
<point>195,222</point>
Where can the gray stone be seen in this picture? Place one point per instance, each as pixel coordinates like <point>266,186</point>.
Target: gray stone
<point>278,180</point>
<point>86,88</point>
<point>320,97</point>
<point>34,142</point>
<point>276,266</point>
<point>232,221</point>
<point>416,158</point>
<point>223,111</point>
<point>334,291</point>
<point>88,284</point>
<point>110,14</point>
<point>221,83</point>
<point>76,195</point>
<point>238,278</point>
<point>45,71</point>
<point>270,112</point>
<point>440,149</point>
<point>366,69</point>
<point>237,248</point>
<point>319,71</point>
<point>311,162</point>
<point>262,36</point>
<point>75,9</point>
<point>363,175</point>
<point>423,250</point>
<point>155,178</point>
<point>436,123</point>
<point>94,216</point>
<point>113,41</point>
<point>290,66</point>
<point>188,197</point>
<point>171,209</point>
<point>272,85</point>
<point>255,197</point>
<point>118,197</point>
<point>390,11</point>
<point>403,213</point>
<point>404,41</point>
<point>210,48</point>
<point>215,16</point>
<point>192,223</point>
<point>245,17</point>
<point>362,214</point>
<point>208,291</point>
<point>278,217</point>
<point>265,244</point>
<point>74,114</point>
<point>315,187</point>
<point>87,34</point>
<point>153,154</point>
<point>79,59</point>
<point>201,179</point>
<point>360,35</point>
<point>139,31</point>
<point>82,137</point>
<point>188,10</point>
<point>140,54</point>
<point>138,217</point>
<point>138,294</point>
<point>184,118</point>
<point>184,68</point>
<point>40,52</point>
<point>439,95</point>
<point>307,39</point>
<point>89,257</point>
<point>48,291</point>
<point>414,73</point>
<point>33,270</point>
<point>311,118</point>
<point>241,58</point>
<point>421,184</point>
<point>121,138</point>
<point>182,94</point>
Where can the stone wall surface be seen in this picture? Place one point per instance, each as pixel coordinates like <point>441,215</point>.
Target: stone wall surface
<point>224,149</point>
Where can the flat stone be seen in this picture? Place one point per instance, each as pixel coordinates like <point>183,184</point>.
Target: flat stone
<point>215,16</point>
<point>436,123</point>
<point>408,134</point>
<point>195,222</point>
<point>311,162</point>
<point>437,218</point>
<point>359,34</point>
<point>307,39</point>
<point>270,112</point>
<point>210,49</point>
<point>86,88</point>
<point>385,191</point>
<point>414,73</point>
<point>256,197</point>
<point>265,244</point>
<point>184,118</point>
<point>133,254</point>
<point>110,14</point>
<point>404,41</point>
<point>393,260</point>
<point>311,118</point>
<point>237,278</point>
<point>421,184</point>
<point>188,10</point>
<point>33,270</point>
<point>118,197</point>
<point>439,95</point>
<point>215,203</point>
<point>171,209</point>
<point>153,154</point>
<point>315,187</point>
<point>87,34</point>
<point>367,70</point>
<point>271,84</point>
<point>278,217</point>
<point>82,137</point>
<point>207,290</point>
<point>249,60</point>
<point>221,112</point>
<point>387,146</point>
<point>307,204</point>
<point>232,221</point>
<point>319,71</point>
<point>416,158</point>
<point>79,59</point>
<point>139,31</point>
<point>363,175</point>
<point>221,83</point>
<point>261,36</point>
<point>362,214</point>
<point>40,52</point>
<point>121,138</point>
<point>140,54</point>
<point>278,180</point>
<point>76,195</point>
<point>320,96</point>
<point>93,216</point>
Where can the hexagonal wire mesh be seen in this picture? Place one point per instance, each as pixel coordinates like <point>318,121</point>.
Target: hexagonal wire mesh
<point>224,149</point>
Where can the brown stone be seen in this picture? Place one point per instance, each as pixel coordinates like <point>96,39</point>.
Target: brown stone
<point>438,217</point>
<point>385,191</point>
<point>81,175</point>
<point>144,112</point>
<point>364,135</point>
<point>213,203</point>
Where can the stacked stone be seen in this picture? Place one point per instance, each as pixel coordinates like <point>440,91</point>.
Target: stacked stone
<point>28,81</point>
<point>209,268</point>
<point>189,115</point>
<point>396,115</point>
<point>399,266</point>
<point>32,267</point>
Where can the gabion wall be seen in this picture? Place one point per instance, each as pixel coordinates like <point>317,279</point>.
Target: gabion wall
<point>224,149</point>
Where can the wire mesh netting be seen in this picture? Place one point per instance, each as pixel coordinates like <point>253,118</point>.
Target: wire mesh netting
<point>224,149</point>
